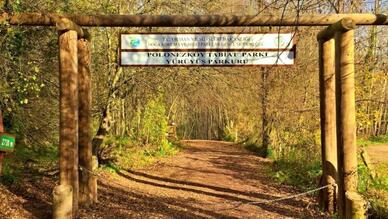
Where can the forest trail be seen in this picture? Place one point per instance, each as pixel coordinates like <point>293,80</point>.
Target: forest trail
<point>208,179</point>
<point>378,153</point>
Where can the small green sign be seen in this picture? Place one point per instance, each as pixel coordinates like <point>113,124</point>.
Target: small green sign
<point>7,142</point>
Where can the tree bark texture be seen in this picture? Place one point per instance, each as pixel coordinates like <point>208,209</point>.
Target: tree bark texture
<point>346,119</point>
<point>62,202</point>
<point>86,180</point>
<point>328,121</point>
<point>68,138</point>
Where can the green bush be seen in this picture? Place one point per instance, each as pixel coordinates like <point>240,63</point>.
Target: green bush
<point>230,132</point>
<point>258,149</point>
<point>380,139</point>
<point>148,139</point>
<point>132,156</point>
<point>375,190</point>
<point>24,159</point>
<point>296,170</point>
<point>154,126</point>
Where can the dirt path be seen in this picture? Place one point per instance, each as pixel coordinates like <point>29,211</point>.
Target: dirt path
<point>207,180</point>
<point>378,153</point>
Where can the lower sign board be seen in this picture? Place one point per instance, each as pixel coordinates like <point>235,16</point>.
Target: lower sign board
<point>7,142</point>
<point>206,58</point>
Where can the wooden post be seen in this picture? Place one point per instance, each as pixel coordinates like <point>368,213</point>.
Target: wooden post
<point>93,188</point>
<point>87,181</point>
<point>68,139</point>
<point>1,153</point>
<point>62,202</point>
<point>1,122</point>
<point>328,122</point>
<point>346,116</point>
<point>355,206</point>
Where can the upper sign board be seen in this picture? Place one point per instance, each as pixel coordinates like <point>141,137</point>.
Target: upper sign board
<point>207,41</point>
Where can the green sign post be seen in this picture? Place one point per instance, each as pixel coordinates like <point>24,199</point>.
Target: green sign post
<point>7,142</point>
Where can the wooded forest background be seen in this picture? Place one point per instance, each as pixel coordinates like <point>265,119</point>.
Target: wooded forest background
<point>266,106</point>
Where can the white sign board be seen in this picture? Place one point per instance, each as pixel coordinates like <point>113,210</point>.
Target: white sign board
<point>206,58</point>
<point>206,41</point>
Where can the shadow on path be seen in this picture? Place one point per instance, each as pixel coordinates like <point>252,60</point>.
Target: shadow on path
<point>267,207</point>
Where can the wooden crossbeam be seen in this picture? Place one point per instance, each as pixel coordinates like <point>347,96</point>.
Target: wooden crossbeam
<point>114,20</point>
<point>65,24</point>
<point>340,26</point>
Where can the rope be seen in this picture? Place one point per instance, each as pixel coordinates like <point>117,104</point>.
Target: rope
<point>292,196</point>
<point>239,203</point>
<point>100,178</point>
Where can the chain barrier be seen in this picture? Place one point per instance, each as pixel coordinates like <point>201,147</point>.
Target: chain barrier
<point>239,203</point>
<point>100,178</point>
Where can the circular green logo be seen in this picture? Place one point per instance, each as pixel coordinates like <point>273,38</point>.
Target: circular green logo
<point>135,42</point>
<point>280,41</point>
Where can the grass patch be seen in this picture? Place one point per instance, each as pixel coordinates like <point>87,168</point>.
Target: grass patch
<point>25,159</point>
<point>375,190</point>
<point>380,139</point>
<point>298,167</point>
<point>126,154</point>
<point>301,173</point>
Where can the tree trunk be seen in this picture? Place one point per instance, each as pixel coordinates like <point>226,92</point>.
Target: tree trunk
<point>264,116</point>
<point>105,121</point>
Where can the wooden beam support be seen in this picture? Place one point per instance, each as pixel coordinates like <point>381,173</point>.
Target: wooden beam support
<point>328,122</point>
<point>114,20</point>
<point>340,26</point>
<point>62,202</point>
<point>346,117</point>
<point>64,24</point>
<point>87,181</point>
<point>2,154</point>
<point>356,206</point>
<point>68,138</point>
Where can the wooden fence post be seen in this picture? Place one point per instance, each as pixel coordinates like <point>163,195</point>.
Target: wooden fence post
<point>328,121</point>
<point>346,116</point>
<point>68,139</point>
<point>62,202</point>
<point>87,181</point>
<point>1,153</point>
<point>355,206</point>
